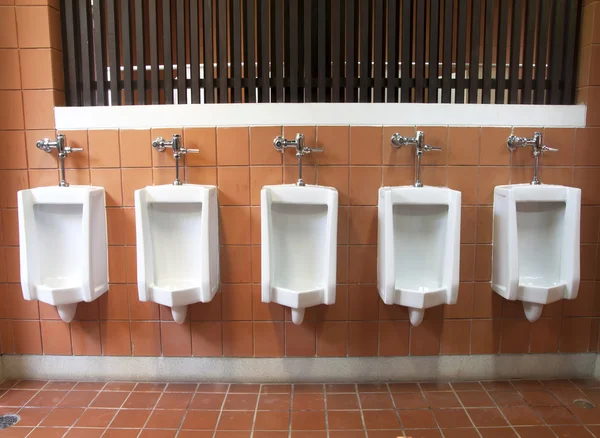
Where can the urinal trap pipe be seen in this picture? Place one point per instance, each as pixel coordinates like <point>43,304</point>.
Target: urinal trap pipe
<point>300,182</point>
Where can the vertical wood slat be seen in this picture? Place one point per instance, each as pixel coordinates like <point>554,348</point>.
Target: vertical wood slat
<point>99,52</point>
<point>337,49</point>
<point>528,46</point>
<point>236,49</point>
<point>308,51</point>
<point>293,14</point>
<point>488,51</point>
<point>447,52</point>
<point>263,50</point>
<point>556,50</point>
<point>286,49</point>
<point>153,41</point>
<point>194,52</point>
<point>114,51</point>
<point>461,52</point>
<point>379,51</point>
<point>167,52</point>
<point>209,60</point>
<point>434,47</point>
<point>85,38</point>
<point>180,44</point>
<point>420,52</point>
<point>321,50</point>
<point>222,89</point>
<point>393,37</point>
<point>69,25</point>
<point>249,58</point>
<point>365,50</point>
<point>474,57</point>
<point>277,50</point>
<point>351,49</point>
<point>127,52</point>
<point>139,51</point>
<point>501,51</point>
<point>406,65</point>
<point>570,62</point>
<point>542,47</point>
<point>515,52</point>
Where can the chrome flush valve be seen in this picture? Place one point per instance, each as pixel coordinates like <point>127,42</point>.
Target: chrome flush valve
<point>281,143</point>
<point>418,142</point>
<point>514,142</point>
<point>48,145</point>
<point>160,144</point>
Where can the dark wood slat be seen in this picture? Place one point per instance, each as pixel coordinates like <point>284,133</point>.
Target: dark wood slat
<point>100,52</point>
<point>515,51</point>
<point>528,46</point>
<point>194,52</point>
<point>308,51</point>
<point>393,41</point>
<point>501,51</point>
<point>286,49</point>
<point>556,50</point>
<point>112,12</point>
<point>67,31</point>
<point>139,52</point>
<point>447,51</point>
<point>351,49</point>
<point>293,14</point>
<point>407,46</point>
<point>420,52</point>
<point>322,50</point>
<point>379,51</point>
<point>85,38</point>
<point>365,49</point>
<point>461,52</point>
<point>209,60</point>
<point>277,50</point>
<point>127,52</point>
<point>263,50</point>
<point>153,41</point>
<point>542,47</point>
<point>570,62</point>
<point>434,48</point>
<point>222,73</point>
<point>475,45</point>
<point>249,58</point>
<point>167,52</point>
<point>236,49</point>
<point>337,49</point>
<point>180,44</point>
<point>488,51</point>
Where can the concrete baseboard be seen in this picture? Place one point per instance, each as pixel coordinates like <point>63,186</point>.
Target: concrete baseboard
<point>359,369</point>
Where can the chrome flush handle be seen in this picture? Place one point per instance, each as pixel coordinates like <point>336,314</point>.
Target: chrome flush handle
<point>160,144</point>
<point>60,144</point>
<point>418,142</point>
<point>281,144</point>
<point>513,143</point>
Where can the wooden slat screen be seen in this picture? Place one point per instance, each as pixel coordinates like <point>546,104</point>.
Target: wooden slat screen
<point>138,52</point>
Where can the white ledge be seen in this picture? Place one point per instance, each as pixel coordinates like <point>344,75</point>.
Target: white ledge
<point>248,114</point>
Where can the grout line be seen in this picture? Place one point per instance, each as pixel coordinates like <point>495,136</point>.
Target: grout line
<point>362,414</point>
<point>290,410</point>
<point>396,407</point>
<point>255,411</point>
<point>465,408</point>
<point>221,411</point>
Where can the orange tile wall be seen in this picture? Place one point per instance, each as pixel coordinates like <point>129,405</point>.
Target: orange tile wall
<point>357,161</point>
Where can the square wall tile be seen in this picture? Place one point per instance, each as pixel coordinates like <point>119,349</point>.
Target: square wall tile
<point>104,148</point>
<point>11,111</point>
<point>11,75</point>
<point>39,27</point>
<point>8,27</point>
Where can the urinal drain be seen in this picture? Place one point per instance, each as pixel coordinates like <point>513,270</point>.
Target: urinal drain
<point>585,404</point>
<point>8,420</point>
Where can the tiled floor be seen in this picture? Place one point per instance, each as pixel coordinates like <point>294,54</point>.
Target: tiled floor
<point>528,409</point>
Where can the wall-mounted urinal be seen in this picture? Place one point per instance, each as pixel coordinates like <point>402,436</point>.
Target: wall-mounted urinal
<point>299,241</point>
<point>177,240</point>
<point>536,239</point>
<point>418,242</point>
<point>62,240</point>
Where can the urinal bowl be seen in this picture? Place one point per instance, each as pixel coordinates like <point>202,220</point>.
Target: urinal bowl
<point>299,246</point>
<point>177,245</point>
<point>418,247</point>
<point>63,246</point>
<point>536,245</point>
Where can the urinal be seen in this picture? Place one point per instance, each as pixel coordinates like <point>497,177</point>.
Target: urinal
<point>536,244</point>
<point>177,241</point>
<point>418,241</point>
<point>63,246</point>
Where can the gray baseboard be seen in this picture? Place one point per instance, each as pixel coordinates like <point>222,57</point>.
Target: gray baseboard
<point>358,369</point>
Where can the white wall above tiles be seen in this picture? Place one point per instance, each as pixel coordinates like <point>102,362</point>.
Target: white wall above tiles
<point>247,114</point>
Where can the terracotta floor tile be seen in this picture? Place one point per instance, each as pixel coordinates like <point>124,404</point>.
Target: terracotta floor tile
<point>16,432</point>
<point>497,432</point>
<point>595,430</point>
<point>154,433</point>
<point>165,419</point>
<point>451,418</point>
<point>15,397</point>
<point>557,383</point>
<point>60,386</point>
<point>423,433</point>
<point>521,416</point>
<point>344,420</point>
<point>442,399</point>
<point>150,387</point>
<point>276,389</point>
<point>435,386</point>
<point>267,434</point>
<point>507,398</point>
<point>240,402</point>
<point>381,420</point>
<point>48,432</point>
<point>372,387</point>
<point>29,416</point>
<point>141,401</point>
<point>47,398</point>
<point>77,399</point>
<point>376,401</point>
<point>89,386</point>
<point>587,416</point>
<point>8,383</point>
<point>527,385</point>
<point>30,384</point>
<point>197,420</point>
<point>244,388</point>
<point>309,388</point>
<point>236,420</point>
<point>130,418</point>
<point>308,420</point>
<point>120,386</point>
<point>207,400</point>
<point>392,433</point>
<point>212,387</point>
<point>409,400</point>
<point>267,420</point>
<point>487,417</point>
<point>556,415</point>
<point>567,395</point>
<point>110,399</point>
<point>77,432</point>
<point>121,433</point>
<point>346,434</point>
<point>571,432</point>
<point>340,387</point>
<point>174,400</point>
<point>460,433</point>
<point>342,402</point>
<point>96,418</point>
<point>274,402</point>
<point>497,385</point>
<point>404,387</point>
<point>417,419</point>
<point>62,417</point>
<point>308,434</point>
<point>466,386</point>
<point>535,432</point>
<point>540,398</point>
<point>308,402</point>
<point>181,387</point>
<point>475,399</point>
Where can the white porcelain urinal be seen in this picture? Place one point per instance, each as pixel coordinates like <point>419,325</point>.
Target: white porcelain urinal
<point>63,246</point>
<point>419,247</point>
<point>536,244</point>
<point>177,245</point>
<point>299,246</point>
